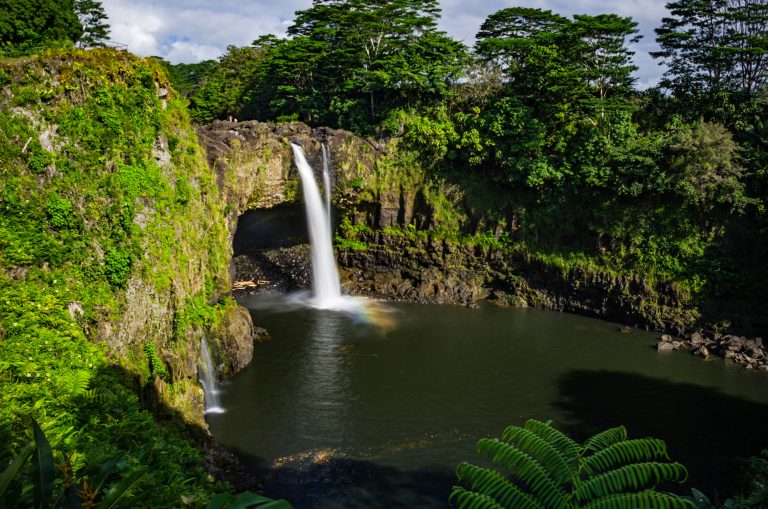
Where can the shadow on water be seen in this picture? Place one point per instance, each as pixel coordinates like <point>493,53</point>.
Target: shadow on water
<point>693,420</point>
<point>327,479</point>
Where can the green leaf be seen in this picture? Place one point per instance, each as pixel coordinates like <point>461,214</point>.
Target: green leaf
<point>10,473</point>
<point>104,470</point>
<point>42,469</point>
<point>524,467</point>
<point>275,504</point>
<point>495,485</point>
<point>560,467</point>
<point>621,453</point>
<point>643,500</point>
<point>121,489</point>
<point>559,440</point>
<point>463,499</point>
<point>606,438</point>
<point>638,476</point>
<point>248,499</point>
<point>220,501</point>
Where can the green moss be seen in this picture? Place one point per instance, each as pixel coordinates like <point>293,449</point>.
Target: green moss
<point>77,223</point>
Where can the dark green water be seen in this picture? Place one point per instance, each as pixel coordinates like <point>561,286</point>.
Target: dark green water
<point>336,413</point>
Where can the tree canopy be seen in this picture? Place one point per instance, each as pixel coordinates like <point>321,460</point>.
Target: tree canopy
<point>37,21</point>
<point>40,22</point>
<point>710,45</point>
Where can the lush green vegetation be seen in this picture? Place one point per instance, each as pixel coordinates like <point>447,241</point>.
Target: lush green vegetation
<point>107,211</point>
<point>31,480</point>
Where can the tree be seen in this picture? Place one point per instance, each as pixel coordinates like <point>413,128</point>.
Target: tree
<point>711,45</point>
<point>33,22</point>
<point>545,468</point>
<point>508,36</point>
<point>374,56</point>
<point>704,161</point>
<point>92,17</point>
<point>600,48</point>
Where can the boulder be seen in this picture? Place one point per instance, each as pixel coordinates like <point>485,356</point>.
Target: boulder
<point>663,346</point>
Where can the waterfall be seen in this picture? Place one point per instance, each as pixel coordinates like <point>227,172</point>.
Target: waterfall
<point>325,275</point>
<point>327,185</point>
<point>208,380</point>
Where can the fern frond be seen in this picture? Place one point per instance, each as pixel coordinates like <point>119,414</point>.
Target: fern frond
<point>560,468</point>
<point>606,438</point>
<point>98,395</point>
<point>629,451</point>
<point>557,439</point>
<point>643,500</point>
<point>526,468</point>
<point>636,477</point>
<point>75,382</point>
<point>463,499</point>
<point>495,485</point>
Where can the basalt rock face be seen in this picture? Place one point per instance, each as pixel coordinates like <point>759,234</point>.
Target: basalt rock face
<point>397,267</point>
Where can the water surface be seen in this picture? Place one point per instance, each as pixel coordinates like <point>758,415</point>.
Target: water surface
<point>333,412</point>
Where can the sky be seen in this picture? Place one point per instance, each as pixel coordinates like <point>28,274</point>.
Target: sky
<point>193,30</point>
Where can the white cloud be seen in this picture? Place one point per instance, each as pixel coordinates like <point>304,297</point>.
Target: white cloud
<point>194,30</point>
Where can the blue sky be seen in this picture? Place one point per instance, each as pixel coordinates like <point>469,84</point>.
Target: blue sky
<point>194,30</point>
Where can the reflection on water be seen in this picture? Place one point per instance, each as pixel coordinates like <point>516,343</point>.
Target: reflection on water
<point>324,381</point>
<point>335,412</point>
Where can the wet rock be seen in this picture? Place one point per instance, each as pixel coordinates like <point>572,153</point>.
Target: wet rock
<point>702,352</point>
<point>664,347</point>
<point>234,336</point>
<point>665,338</point>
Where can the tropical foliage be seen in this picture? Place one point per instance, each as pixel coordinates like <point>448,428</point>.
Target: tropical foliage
<point>34,23</point>
<point>544,468</point>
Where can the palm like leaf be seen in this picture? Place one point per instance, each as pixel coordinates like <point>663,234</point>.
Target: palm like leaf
<point>545,469</point>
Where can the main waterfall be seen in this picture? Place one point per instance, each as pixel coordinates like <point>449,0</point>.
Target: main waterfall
<point>325,275</point>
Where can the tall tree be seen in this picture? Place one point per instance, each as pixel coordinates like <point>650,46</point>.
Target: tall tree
<point>32,22</point>
<point>600,49</point>
<point>361,46</point>
<point>508,36</point>
<point>93,19</point>
<point>710,45</point>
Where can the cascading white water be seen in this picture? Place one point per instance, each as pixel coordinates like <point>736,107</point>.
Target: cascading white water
<point>208,381</point>
<point>325,275</point>
<point>327,185</point>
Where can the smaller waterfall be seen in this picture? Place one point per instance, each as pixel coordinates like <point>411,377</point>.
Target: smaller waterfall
<point>327,185</point>
<point>325,275</point>
<point>208,380</point>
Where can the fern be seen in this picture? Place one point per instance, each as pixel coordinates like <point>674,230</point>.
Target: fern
<point>545,469</point>
<point>559,465</point>
<point>642,500</point>
<point>606,438</point>
<point>527,469</point>
<point>635,476</point>
<point>75,382</point>
<point>473,499</point>
<point>496,485</point>
<point>560,440</point>
<point>644,449</point>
